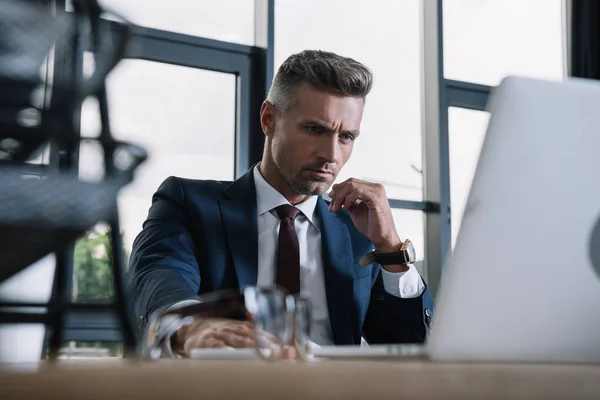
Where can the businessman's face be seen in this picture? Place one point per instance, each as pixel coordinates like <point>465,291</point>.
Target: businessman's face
<point>313,139</point>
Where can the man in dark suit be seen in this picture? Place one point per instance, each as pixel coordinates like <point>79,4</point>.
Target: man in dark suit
<point>272,225</point>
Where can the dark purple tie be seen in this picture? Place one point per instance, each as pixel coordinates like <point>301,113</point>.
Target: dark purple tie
<point>288,250</point>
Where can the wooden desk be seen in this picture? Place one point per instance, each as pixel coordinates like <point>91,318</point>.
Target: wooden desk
<point>198,380</point>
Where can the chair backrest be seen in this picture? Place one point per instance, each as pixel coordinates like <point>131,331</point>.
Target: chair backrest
<point>40,215</point>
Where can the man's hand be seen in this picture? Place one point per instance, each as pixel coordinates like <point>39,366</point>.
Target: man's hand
<point>224,333</point>
<point>368,205</point>
<point>213,333</point>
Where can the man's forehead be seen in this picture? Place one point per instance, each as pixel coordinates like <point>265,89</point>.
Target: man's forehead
<point>327,106</point>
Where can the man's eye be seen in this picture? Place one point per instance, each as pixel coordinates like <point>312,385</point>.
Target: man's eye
<point>347,138</point>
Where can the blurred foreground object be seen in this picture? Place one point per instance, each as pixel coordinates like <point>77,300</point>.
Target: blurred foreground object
<point>44,213</point>
<point>280,320</point>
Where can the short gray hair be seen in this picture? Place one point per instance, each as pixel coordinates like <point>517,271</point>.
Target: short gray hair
<point>323,70</point>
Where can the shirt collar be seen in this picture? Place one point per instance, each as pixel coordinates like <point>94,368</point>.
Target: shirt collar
<point>267,198</point>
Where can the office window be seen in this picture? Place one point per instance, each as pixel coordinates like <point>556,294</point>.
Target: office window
<point>485,40</point>
<point>184,117</point>
<point>226,20</point>
<point>466,134</point>
<point>24,342</point>
<point>384,35</point>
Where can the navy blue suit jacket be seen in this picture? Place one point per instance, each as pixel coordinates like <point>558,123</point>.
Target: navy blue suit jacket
<point>201,236</point>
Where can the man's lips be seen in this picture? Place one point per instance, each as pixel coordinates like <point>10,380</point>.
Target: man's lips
<point>321,173</point>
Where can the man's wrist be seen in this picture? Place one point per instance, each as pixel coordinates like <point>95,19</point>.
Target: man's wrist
<point>396,268</point>
<point>388,247</point>
<point>165,327</point>
<point>160,334</point>
<point>392,246</point>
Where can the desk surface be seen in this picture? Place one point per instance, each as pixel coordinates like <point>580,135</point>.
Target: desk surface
<point>189,379</point>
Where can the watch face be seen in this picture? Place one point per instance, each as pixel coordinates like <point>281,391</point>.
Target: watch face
<point>410,250</point>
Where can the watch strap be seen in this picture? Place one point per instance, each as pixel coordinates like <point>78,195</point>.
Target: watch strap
<point>399,257</point>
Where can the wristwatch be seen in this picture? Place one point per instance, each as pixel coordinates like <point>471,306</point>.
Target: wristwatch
<point>406,255</point>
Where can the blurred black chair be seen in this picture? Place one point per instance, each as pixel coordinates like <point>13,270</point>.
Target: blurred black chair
<point>45,214</point>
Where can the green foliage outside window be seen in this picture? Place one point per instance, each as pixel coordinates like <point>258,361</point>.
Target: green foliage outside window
<point>93,279</point>
<point>93,283</point>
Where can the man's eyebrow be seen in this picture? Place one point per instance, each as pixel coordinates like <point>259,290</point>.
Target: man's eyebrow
<point>325,126</point>
<point>320,124</point>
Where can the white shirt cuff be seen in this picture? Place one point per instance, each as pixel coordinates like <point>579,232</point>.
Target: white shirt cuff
<point>406,285</point>
<point>170,324</point>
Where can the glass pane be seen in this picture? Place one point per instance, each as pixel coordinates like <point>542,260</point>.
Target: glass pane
<point>466,133</point>
<point>184,117</point>
<point>410,225</point>
<point>384,35</point>
<point>227,20</point>
<point>23,343</point>
<point>485,40</point>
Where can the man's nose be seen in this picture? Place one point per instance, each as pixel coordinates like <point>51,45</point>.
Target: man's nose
<point>329,149</point>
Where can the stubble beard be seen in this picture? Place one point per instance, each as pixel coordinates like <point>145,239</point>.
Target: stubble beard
<point>306,189</point>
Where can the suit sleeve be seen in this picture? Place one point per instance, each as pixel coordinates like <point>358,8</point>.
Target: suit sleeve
<point>162,267</point>
<point>392,319</point>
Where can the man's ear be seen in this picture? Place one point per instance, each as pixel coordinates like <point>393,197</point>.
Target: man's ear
<point>267,118</point>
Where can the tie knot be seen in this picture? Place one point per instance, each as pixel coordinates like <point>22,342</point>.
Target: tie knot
<point>287,211</point>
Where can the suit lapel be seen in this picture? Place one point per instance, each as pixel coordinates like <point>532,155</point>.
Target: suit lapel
<point>337,265</point>
<point>238,210</point>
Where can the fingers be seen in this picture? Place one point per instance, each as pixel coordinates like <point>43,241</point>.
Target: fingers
<point>339,193</point>
<point>235,329</point>
<point>234,334</point>
<point>215,343</point>
<point>338,196</point>
<point>217,333</point>
<point>290,353</point>
<point>269,345</point>
<point>352,200</point>
<point>196,342</point>
<point>348,193</point>
<point>235,340</point>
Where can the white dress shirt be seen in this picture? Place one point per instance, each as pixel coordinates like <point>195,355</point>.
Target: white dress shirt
<point>312,282</point>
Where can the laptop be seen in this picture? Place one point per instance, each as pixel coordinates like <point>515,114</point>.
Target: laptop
<point>523,281</point>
